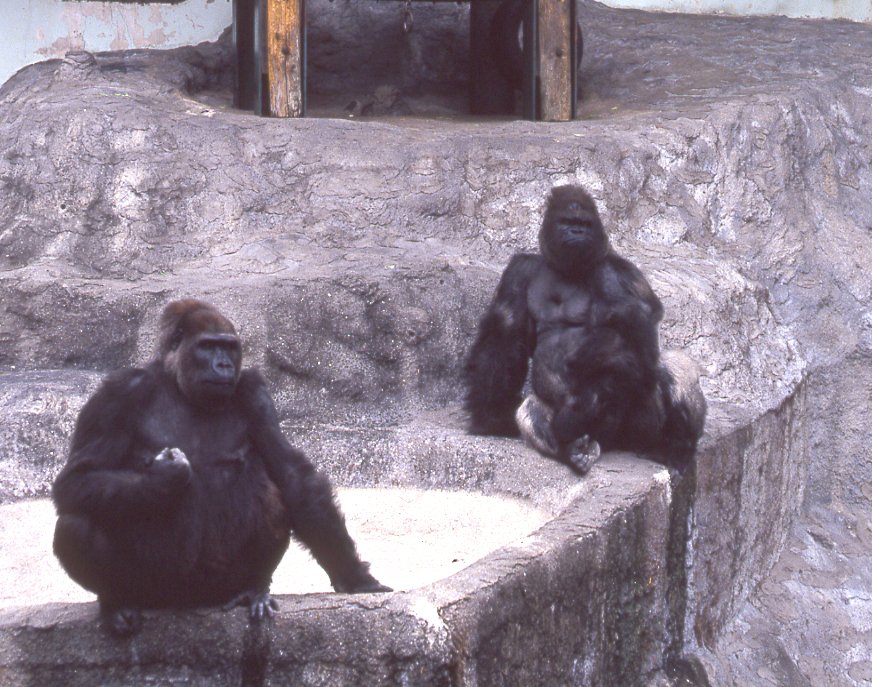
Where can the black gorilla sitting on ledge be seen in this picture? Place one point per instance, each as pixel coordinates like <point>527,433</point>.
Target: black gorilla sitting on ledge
<point>180,489</point>
<point>588,319</point>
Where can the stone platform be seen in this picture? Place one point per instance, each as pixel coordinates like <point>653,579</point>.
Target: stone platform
<point>730,159</point>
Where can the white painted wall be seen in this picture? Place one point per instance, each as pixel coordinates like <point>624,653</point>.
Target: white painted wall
<point>856,10</point>
<point>34,30</point>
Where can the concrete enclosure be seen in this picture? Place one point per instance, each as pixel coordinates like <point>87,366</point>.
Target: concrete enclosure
<point>730,159</point>
<point>43,29</point>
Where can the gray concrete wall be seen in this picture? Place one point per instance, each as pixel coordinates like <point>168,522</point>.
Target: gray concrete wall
<point>856,10</point>
<point>40,29</point>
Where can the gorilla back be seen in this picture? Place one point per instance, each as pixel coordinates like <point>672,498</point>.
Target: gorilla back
<point>180,489</point>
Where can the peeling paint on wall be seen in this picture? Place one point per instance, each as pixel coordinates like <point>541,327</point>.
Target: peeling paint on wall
<point>42,29</point>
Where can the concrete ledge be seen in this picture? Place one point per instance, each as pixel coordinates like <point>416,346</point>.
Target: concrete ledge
<point>601,592</point>
<point>566,600</point>
<point>750,485</point>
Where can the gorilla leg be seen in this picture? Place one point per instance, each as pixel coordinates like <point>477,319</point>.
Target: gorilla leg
<point>666,421</point>
<point>557,435</point>
<point>534,419</point>
<point>87,555</point>
<point>685,407</point>
<point>84,552</point>
<point>685,399</point>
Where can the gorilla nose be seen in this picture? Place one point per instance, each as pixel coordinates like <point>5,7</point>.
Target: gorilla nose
<point>223,367</point>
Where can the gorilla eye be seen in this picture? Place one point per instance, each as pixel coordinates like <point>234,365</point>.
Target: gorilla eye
<point>210,346</point>
<point>230,346</point>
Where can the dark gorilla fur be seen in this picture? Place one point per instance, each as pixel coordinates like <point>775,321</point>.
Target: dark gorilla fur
<point>180,489</point>
<point>588,319</point>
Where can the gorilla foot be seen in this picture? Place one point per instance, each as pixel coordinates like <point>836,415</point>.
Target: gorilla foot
<point>534,420</point>
<point>121,621</point>
<point>582,453</point>
<point>259,603</point>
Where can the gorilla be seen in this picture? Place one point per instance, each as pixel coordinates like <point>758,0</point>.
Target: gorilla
<point>588,319</point>
<point>180,489</point>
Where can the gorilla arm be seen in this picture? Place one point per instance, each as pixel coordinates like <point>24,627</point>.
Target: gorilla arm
<point>497,364</point>
<point>626,303</point>
<point>102,479</point>
<point>315,518</point>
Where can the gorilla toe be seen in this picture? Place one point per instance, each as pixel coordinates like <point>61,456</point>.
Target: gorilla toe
<point>582,454</point>
<point>260,604</point>
<point>121,622</point>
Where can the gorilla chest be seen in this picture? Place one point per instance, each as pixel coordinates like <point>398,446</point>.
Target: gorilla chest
<point>556,301</point>
<point>230,497</point>
<point>217,446</point>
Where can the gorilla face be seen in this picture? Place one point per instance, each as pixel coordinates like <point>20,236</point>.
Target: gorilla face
<point>210,367</point>
<point>572,238</point>
<point>200,350</point>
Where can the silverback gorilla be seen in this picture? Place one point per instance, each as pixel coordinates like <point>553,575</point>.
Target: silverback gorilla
<point>180,489</point>
<point>588,319</point>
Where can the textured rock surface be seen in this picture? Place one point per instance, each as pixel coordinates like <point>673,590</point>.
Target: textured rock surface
<point>731,161</point>
<point>810,621</point>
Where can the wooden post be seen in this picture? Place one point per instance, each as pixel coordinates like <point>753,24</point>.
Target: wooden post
<point>557,60</point>
<point>285,61</point>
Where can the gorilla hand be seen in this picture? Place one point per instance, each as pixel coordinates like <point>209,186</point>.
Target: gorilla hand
<point>581,454</point>
<point>171,466</point>
<point>360,582</point>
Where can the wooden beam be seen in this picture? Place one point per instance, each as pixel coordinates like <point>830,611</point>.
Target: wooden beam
<point>285,63</point>
<point>557,68</point>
